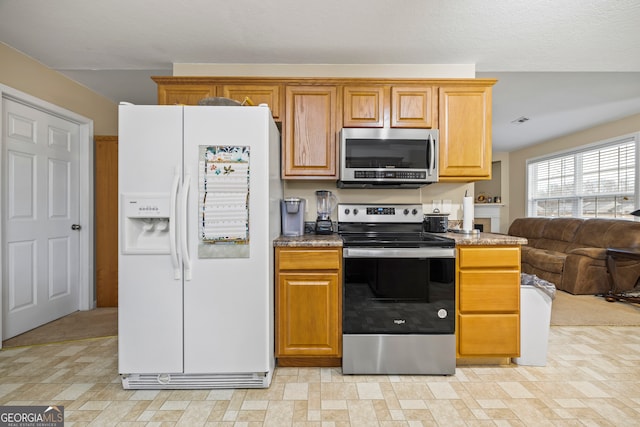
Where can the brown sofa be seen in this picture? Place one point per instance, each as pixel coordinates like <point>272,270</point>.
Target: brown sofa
<point>571,252</point>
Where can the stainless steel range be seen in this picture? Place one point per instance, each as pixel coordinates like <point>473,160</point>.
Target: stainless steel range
<point>399,292</point>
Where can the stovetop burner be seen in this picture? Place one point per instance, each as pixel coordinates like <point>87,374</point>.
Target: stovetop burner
<point>387,225</point>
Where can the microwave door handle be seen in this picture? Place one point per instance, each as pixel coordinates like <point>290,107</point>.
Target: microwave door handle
<point>432,155</point>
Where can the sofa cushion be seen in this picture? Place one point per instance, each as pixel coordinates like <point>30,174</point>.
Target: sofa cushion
<point>529,228</point>
<point>545,260</point>
<point>608,233</point>
<point>562,229</point>
<point>592,233</point>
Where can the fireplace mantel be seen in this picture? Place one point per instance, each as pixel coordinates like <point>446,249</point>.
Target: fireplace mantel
<point>491,211</point>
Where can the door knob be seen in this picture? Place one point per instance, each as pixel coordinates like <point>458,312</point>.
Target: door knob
<point>76,227</point>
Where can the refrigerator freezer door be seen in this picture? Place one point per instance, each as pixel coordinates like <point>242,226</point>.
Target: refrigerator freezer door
<point>150,299</point>
<point>228,303</point>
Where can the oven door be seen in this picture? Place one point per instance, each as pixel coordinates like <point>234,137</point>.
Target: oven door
<point>399,290</point>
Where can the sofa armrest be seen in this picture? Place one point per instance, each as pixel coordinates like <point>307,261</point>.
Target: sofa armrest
<point>585,271</point>
<point>594,253</point>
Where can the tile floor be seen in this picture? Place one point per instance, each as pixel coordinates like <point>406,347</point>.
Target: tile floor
<point>592,378</point>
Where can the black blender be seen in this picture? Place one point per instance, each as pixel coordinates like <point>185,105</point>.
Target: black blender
<point>325,201</point>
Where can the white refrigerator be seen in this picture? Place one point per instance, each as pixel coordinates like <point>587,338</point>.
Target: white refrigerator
<point>199,190</point>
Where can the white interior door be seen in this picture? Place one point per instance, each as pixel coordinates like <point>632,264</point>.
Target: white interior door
<point>41,214</point>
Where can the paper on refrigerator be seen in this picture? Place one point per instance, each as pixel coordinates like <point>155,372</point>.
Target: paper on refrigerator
<point>223,214</point>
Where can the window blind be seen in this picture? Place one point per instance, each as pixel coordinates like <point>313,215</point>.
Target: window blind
<point>598,181</point>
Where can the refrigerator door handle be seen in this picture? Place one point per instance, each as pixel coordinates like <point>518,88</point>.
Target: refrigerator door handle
<point>173,226</point>
<point>183,227</point>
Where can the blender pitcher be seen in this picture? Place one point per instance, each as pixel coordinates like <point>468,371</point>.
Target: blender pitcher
<point>325,202</point>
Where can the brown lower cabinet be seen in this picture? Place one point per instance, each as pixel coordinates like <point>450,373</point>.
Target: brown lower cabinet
<point>308,306</point>
<point>488,302</point>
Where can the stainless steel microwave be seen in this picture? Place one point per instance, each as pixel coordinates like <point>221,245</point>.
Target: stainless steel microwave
<point>388,158</point>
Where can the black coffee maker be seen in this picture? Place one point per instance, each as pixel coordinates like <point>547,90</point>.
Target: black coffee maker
<point>325,202</point>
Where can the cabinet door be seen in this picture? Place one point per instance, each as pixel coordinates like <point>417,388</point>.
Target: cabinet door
<point>308,316</point>
<point>184,94</point>
<point>363,106</point>
<point>258,94</point>
<point>412,107</point>
<point>310,136</point>
<point>465,133</point>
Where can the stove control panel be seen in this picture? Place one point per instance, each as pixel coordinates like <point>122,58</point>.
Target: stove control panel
<point>395,213</point>
<point>381,211</point>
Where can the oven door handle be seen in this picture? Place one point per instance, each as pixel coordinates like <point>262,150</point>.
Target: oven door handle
<point>429,252</point>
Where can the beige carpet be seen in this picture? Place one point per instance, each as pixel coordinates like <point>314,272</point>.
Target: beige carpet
<point>100,322</point>
<point>590,310</point>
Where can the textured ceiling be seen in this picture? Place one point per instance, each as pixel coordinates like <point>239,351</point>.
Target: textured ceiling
<point>567,65</point>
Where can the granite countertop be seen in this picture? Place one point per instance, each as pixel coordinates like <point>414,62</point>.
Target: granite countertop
<point>328,240</point>
<point>484,239</point>
<point>318,240</point>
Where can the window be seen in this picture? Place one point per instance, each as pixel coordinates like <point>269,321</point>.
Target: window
<point>595,181</point>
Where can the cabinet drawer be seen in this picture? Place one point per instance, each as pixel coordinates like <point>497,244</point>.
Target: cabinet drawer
<point>489,335</point>
<point>478,257</point>
<point>489,291</point>
<point>308,259</point>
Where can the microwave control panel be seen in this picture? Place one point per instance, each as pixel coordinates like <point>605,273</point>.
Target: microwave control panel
<point>386,174</point>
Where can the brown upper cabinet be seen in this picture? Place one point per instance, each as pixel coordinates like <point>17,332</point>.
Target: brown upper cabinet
<point>364,106</point>
<point>312,111</point>
<point>310,137</point>
<point>389,106</point>
<point>257,94</point>
<point>178,94</point>
<point>413,107</point>
<point>465,133</point>
<point>191,93</point>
